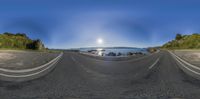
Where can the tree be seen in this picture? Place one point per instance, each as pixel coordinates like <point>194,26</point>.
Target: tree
<point>19,41</point>
<point>184,42</point>
<point>21,34</point>
<point>178,36</point>
<point>8,34</point>
<point>36,45</point>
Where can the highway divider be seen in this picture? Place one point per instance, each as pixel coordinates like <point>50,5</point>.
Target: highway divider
<point>188,68</point>
<point>29,74</point>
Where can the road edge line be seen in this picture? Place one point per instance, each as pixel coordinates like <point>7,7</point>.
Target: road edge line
<point>193,66</point>
<point>185,68</point>
<point>31,76</point>
<point>31,69</point>
<point>157,60</point>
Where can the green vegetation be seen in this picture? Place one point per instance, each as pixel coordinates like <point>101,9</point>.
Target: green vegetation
<point>184,42</point>
<point>19,41</point>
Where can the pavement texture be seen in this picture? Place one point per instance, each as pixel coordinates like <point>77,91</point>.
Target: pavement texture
<point>190,56</point>
<point>16,60</point>
<point>80,77</point>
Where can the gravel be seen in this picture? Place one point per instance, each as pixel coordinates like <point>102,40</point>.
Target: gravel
<point>190,56</point>
<point>10,59</point>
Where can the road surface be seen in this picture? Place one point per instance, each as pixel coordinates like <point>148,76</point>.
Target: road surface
<point>77,76</point>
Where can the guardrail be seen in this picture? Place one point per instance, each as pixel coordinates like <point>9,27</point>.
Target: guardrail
<point>188,68</point>
<point>28,74</point>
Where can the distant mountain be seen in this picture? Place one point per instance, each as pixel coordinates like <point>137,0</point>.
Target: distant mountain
<point>19,41</point>
<point>184,42</point>
<point>110,48</point>
<point>122,47</point>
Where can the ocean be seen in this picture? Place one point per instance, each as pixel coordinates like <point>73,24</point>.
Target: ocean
<point>123,50</point>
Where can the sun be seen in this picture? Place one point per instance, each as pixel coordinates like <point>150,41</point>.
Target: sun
<point>100,41</point>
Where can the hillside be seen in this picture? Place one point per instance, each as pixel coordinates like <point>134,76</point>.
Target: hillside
<point>19,41</point>
<point>184,42</point>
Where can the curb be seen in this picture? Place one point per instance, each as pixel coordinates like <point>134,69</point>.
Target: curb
<point>29,74</point>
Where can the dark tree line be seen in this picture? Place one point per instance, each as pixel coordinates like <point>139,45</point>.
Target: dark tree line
<point>19,41</point>
<point>35,45</point>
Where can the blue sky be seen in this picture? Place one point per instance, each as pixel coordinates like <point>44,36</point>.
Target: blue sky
<point>79,23</point>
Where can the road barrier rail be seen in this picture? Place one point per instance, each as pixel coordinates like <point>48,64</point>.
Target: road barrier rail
<point>29,74</point>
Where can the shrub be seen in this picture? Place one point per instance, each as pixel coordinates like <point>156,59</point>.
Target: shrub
<point>184,42</point>
<point>19,41</point>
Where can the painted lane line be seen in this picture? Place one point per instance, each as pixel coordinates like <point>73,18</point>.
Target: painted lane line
<point>28,75</point>
<point>86,69</point>
<point>186,66</point>
<point>32,69</point>
<point>193,66</point>
<point>76,61</point>
<point>157,60</point>
<point>73,59</point>
<point>82,66</point>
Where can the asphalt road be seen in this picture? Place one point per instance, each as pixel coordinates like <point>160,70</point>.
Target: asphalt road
<point>77,76</point>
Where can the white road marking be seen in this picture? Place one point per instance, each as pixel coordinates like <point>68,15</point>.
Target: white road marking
<point>193,66</point>
<point>28,75</point>
<point>154,63</point>
<point>32,74</point>
<point>188,64</point>
<point>73,59</point>
<point>32,69</point>
<point>187,67</point>
<point>86,69</point>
